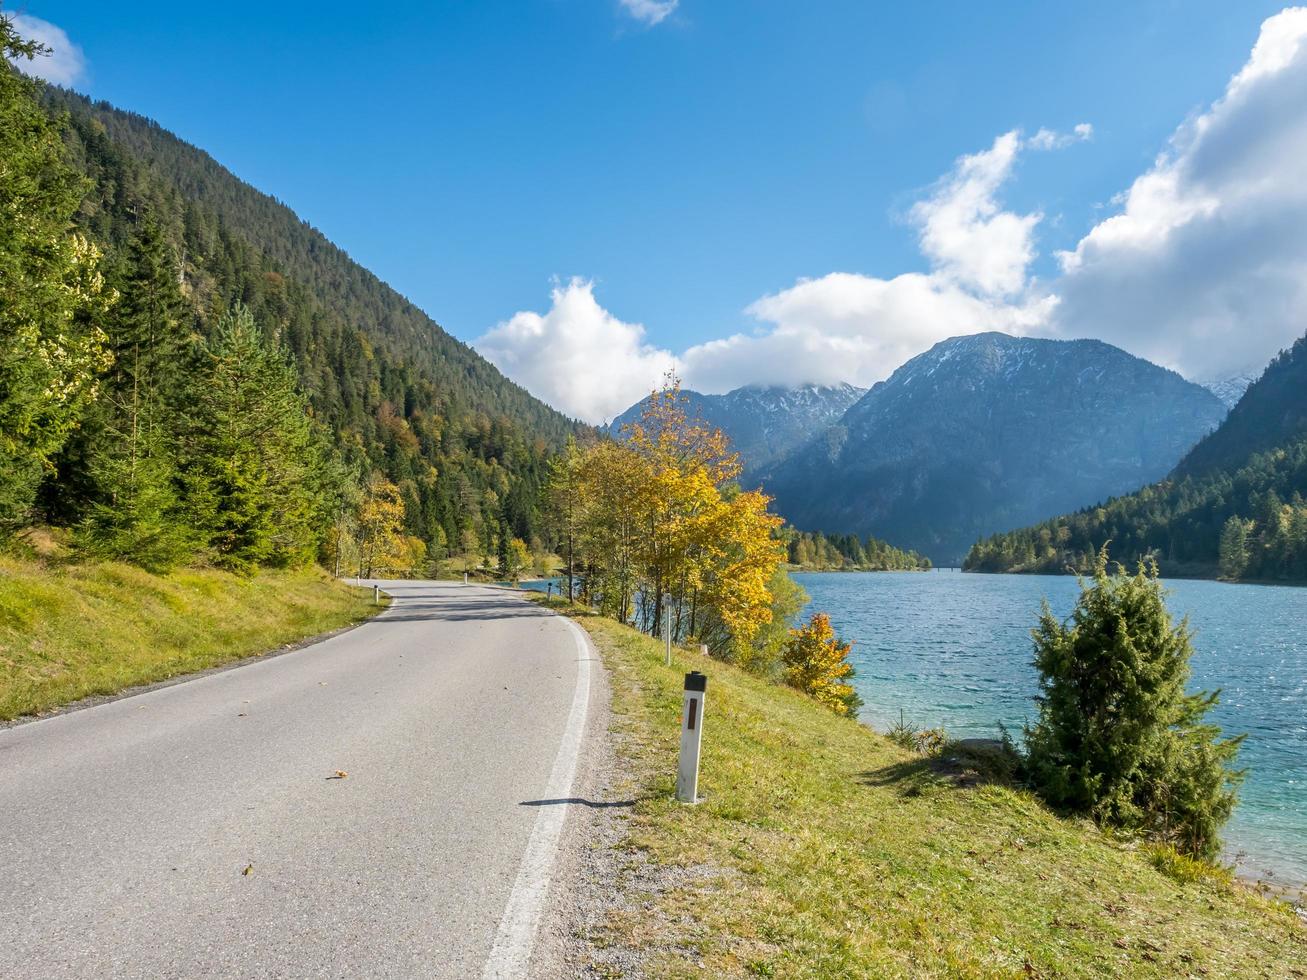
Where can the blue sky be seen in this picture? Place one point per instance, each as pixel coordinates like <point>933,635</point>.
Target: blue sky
<point>477,155</point>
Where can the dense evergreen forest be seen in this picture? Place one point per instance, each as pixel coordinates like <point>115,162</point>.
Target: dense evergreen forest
<point>190,372</point>
<point>818,552</point>
<point>1234,505</point>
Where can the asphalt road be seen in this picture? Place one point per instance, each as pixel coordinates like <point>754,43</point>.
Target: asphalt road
<point>127,829</point>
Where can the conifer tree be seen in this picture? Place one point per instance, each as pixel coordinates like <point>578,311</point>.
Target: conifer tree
<point>503,556</point>
<point>1118,738</point>
<point>1234,547</point>
<point>132,431</point>
<point>51,291</point>
<point>252,466</point>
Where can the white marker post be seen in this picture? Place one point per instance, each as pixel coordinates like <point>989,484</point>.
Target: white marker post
<point>376,595</point>
<point>687,775</point>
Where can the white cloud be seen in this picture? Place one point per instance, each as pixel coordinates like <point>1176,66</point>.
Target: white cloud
<point>966,235</point>
<point>850,327</point>
<point>1204,267</point>
<point>63,65</point>
<point>578,357</point>
<point>1049,139</point>
<point>839,327</point>
<point>650,12</point>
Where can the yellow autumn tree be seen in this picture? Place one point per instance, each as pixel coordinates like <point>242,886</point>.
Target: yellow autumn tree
<point>519,559</point>
<point>816,663</point>
<point>383,546</point>
<point>663,534</point>
<point>612,492</point>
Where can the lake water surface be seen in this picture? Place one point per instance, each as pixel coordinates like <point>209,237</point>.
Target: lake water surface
<point>954,651</point>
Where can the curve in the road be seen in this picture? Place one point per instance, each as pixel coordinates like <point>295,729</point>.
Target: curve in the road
<point>192,830</point>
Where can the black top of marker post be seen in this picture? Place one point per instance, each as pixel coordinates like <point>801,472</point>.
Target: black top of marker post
<point>695,681</point>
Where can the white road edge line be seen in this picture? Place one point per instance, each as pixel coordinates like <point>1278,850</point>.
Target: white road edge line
<point>511,953</point>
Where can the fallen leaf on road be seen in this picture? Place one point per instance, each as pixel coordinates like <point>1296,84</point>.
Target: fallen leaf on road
<point>249,869</point>
<point>339,774</point>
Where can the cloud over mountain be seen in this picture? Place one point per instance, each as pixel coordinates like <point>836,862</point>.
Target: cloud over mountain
<point>577,356</point>
<point>1203,266</point>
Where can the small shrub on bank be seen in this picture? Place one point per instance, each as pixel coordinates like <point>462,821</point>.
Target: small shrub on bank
<point>816,662</point>
<point>904,734</point>
<point>927,741</point>
<point>1118,738</point>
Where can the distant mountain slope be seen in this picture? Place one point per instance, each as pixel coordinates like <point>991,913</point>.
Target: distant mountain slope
<point>989,431</point>
<point>764,422</point>
<point>1234,505</point>
<point>1272,412</point>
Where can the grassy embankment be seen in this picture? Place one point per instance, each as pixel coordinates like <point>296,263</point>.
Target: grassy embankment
<point>823,850</point>
<point>69,631</point>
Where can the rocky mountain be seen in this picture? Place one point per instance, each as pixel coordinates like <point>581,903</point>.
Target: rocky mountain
<point>1230,389</point>
<point>987,432</point>
<point>764,422</point>
<point>1233,506</point>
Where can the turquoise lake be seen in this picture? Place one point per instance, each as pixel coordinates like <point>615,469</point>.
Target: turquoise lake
<point>953,651</point>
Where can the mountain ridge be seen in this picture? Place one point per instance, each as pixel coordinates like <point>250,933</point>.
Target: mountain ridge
<point>302,251</point>
<point>762,422</point>
<point>1234,505</point>
<point>983,429</point>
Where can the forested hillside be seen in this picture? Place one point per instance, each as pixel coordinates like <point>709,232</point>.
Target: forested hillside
<point>162,313</point>
<point>1234,505</point>
<point>1272,413</point>
<point>818,552</point>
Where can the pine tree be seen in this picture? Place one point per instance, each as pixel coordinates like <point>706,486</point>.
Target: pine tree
<point>1234,548</point>
<point>252,466</point>
<point>503,549</point>
<point>51,291</point>
<point>130,439</point>
<point>1118,738</point>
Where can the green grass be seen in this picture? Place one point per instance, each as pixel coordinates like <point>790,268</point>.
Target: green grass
<point>833,853</point>
<point>69,631</point>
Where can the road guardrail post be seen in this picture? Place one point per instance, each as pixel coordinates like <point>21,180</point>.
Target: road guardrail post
<point>687,774</point>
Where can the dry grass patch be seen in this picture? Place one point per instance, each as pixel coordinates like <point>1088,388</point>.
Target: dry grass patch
<point>72,631</point>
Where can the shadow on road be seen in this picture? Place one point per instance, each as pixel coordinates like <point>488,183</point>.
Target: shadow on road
<point>409,610</point>
<point>593,804</point>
